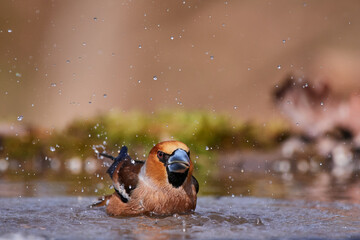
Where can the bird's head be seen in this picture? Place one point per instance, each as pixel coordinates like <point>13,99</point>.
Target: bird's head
<point>169,163</point>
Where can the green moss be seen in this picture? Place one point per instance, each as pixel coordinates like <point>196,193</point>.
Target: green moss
<point>206,134</point>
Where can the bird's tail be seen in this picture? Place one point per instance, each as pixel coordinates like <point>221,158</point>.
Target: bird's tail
<point>101,201</point>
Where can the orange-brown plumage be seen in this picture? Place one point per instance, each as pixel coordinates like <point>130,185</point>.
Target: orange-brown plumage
<point>163,184</point>
<point>153,165</point>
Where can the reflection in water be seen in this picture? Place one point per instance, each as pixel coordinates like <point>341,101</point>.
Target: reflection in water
<point>270,175</point>
<point>318,187</point>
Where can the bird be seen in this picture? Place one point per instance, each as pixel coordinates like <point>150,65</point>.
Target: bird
<point>161,185</point>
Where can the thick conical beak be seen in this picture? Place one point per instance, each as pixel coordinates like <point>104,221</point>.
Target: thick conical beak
<point>179,161</point>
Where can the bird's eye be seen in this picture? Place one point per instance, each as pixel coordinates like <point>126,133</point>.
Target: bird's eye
<point>160,155</point>
<point>163,157</point>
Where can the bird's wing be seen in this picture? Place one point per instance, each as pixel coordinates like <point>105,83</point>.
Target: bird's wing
<point>196,183</point>
<point>124,173</point>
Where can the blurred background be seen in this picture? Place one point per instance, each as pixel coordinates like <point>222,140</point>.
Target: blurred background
<point>265,93</point>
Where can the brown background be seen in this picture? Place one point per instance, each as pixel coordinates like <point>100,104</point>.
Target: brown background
<point>91,48</point>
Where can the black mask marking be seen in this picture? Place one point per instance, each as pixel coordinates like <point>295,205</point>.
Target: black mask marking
<point>176,179</point>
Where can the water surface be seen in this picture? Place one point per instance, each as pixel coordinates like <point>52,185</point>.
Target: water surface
<point>215,218</point>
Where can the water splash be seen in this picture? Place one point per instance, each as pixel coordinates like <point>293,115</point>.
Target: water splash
<point>95,148</point>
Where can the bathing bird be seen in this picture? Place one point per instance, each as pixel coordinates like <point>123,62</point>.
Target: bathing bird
<point>161,185</point>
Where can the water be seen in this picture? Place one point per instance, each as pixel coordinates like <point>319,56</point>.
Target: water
<point>215,218</point>
<point>257,199</point>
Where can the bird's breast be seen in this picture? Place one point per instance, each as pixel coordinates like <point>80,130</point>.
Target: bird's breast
<point>164,199</point>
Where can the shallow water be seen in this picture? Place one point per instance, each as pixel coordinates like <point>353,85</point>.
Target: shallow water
<point>266,204</point>
<point>215,218</point>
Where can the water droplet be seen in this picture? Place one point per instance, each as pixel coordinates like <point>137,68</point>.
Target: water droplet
<point>207,148</point>
<point>284,41</point>
<point>20,118</point>
<point>18,74</point>
<point>278,67</point>
<point>235,107</point>
<point>67,61</point>
<point>139,81</point>
<point>84,44</point>
<point>105,95</point>
<point>52,149</point>
<point>9,30</point>
<point>155,78</point>
<point>211,57</point>
<point>172,38</point>
<point>53,85</point>
<point>322,104</point>
<point>95,19</point>
<point>140,46</point>
<point>258,221</point>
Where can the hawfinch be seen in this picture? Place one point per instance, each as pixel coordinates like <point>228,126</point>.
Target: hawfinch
<point>163,184</point>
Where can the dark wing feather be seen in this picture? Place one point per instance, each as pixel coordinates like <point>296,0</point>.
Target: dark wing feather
<point>196,184</point>
<point>123,155</point>
<point>124,173</point>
